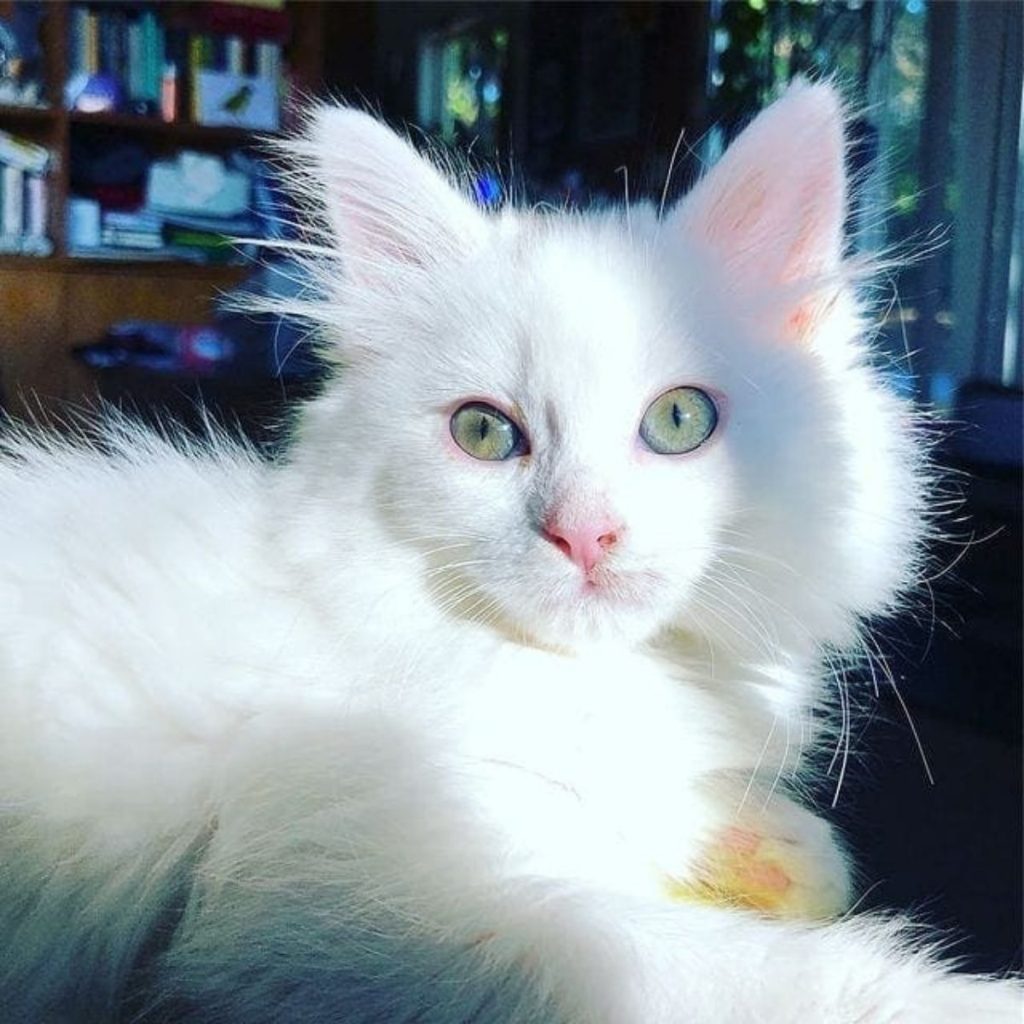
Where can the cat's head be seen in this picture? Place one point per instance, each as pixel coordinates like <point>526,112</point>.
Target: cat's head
<point>606,424</point>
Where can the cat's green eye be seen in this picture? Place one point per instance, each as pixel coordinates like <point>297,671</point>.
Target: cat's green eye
<point>486,433</point>
<point>679,421</point>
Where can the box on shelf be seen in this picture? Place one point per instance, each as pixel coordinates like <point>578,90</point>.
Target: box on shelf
<point>226,99</point>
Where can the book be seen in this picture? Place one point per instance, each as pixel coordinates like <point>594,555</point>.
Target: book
<point>235,55</point>
<point>36,206</point>
<point>119,237</point>
<point>17,152</point>
<point>131,47</point>
<point>78,47</point>
<point>197,239</point>
<point>268,61</point>
<point>12,212</point>
<point>270,5</point>
<point>92,42</point>
<point>111,55</point>
<point>22,59</point>
<point>136,65</point>
<point>153,47</point>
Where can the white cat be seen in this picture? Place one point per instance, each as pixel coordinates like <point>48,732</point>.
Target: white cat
<point>436,719</point>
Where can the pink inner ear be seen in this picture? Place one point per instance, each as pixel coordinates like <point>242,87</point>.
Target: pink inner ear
<point>388,206</point>
<point>370,243</point>
<point>790,226</point>
<point>739,212</point>
<point>817,245</point>
<point>773,207</point>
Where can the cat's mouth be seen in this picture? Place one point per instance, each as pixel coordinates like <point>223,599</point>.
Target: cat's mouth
<point>620,588</point>
<point>603,604</point>
<point>603,588</point>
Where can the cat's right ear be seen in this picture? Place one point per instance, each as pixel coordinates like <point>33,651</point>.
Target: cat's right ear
<point>772,209</point>
<point>387,206</point>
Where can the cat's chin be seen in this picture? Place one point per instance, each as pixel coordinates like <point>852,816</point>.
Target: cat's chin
<point>566,611</point>
<point>598,611</point>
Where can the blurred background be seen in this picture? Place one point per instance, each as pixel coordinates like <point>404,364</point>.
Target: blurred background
<point>130,160</point>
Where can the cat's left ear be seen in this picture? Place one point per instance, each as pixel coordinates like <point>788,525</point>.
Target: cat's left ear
<point>773,207</point>
<point>386,205</point>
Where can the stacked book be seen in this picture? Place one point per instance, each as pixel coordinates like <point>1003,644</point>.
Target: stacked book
<point>148,58</point>
<point>23,197</point>
<point>128,46</point>
<point>181,236</point>
<point>182,216</point>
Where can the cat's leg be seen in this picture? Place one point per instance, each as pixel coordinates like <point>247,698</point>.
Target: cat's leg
<point>711,966</point>
<point>348,881</point>
<point>96,849</point>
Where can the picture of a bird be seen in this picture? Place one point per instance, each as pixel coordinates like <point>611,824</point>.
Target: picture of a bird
<point>237,102</point>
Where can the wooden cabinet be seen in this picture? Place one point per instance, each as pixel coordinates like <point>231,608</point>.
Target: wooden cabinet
<point>50,305</point>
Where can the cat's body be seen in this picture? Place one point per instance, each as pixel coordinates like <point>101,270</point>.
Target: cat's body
<point>385,732</point>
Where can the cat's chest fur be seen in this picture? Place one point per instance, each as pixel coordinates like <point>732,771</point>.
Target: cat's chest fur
<point>592,763</point>
<point>595,763</point>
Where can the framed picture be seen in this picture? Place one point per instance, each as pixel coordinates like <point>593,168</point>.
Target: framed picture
<point>223,98</point>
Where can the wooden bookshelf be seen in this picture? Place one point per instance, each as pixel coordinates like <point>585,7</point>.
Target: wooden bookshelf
<point>50,304</point>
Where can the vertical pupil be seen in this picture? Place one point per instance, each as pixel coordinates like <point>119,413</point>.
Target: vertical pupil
<point>485,427</point>
<point>677,416</point>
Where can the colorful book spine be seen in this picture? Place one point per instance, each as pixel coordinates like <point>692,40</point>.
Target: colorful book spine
<point>153,58</point>
<point>28,156</point>
<point>235,55</point>
<point>12,213</point>
<point>120,237</point>
<point>268,61</point>
<point>35,206</point>
<point>136,65</point>
<point>135,44</point>
<point>23,212</point>
<point>92,42</point>
<point>78,46</point>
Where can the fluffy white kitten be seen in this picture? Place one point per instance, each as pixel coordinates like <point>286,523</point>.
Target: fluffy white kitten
<point>422,722</point>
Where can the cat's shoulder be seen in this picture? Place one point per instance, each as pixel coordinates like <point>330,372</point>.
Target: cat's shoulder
<point>115,481</point>
<point>112,451</point>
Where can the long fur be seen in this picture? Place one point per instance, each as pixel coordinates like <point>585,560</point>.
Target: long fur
<point>343,737</point>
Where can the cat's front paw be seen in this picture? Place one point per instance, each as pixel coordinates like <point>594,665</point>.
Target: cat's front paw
<point>780,860</point>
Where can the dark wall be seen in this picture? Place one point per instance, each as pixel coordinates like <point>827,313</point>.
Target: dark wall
<point>591,87</point>
<point>611,85</point>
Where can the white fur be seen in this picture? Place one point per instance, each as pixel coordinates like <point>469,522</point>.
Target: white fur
<point>344,739</point>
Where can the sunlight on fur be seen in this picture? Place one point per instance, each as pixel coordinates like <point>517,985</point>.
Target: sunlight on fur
<point>492,700</point>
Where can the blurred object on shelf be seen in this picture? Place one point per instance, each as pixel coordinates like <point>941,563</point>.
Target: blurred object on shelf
<point>21,63</point>
<point>197,207</point>
<point>205,63</point>
<point>24,209</point>
<point>195,349</point>
<point>198,183</point>
<point>241,344</point>
<point>461,84</point>
<point>226,98</point>
<point>93,94</point>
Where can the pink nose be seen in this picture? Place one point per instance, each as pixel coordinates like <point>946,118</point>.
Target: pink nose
<point>585,544</point>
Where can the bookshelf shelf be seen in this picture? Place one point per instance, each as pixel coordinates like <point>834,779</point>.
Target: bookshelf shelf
<point>12,113</point>
<point>49,304</point>
<point>185,132</point>
<point>230,272</point>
